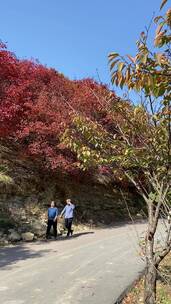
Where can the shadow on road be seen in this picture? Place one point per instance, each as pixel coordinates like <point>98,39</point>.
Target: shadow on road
<point>65,238</point>
<point>9,256</point>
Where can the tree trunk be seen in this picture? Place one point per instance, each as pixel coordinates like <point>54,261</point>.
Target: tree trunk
<point>150,284</point>
<point>151,270</point>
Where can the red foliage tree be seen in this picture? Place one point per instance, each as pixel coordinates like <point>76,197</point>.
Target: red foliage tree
<point>37,104</point>
<point>15,76</point>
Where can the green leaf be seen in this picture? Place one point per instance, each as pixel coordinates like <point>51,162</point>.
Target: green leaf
<point>161,91</point>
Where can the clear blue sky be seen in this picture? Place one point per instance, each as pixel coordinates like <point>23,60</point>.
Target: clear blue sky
<point>74,36</point>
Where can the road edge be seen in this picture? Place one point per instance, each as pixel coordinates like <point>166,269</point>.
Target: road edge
<point>129,287</point>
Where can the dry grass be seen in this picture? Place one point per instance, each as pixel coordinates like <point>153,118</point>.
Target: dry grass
<point>135,296</point>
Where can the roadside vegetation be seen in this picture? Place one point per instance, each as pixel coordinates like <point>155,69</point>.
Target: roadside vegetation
<point>135,296</point>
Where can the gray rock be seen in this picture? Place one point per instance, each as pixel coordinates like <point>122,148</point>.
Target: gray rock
<point>1,234</point>
<point>27,236</point>
<point>23,217</point>
<point>11,230</point>
<point>14,236</point>
<point>38,228</point>
<point>139,216</point>
<point>21,229</point>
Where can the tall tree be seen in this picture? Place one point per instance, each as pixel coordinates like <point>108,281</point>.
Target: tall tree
<point>139,144</point>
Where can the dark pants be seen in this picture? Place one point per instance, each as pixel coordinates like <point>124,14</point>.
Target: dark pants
<point>68,225</point>
<point>49,225</point>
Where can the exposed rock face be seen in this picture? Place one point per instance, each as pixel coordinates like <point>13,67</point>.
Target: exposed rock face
<point>23,205</point>
<point>27,236</point>
<point>38,227</point>
<point>14,236</point>
<point>95,203</point>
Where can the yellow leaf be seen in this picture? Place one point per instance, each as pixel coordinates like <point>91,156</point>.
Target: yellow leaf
<point>137,85</point>
<point>131,58</point>
<point>121,81</point>
<point>158,39</point>
<point>127,77</point>
<point>113,77</point>
<point>144,58</point>
<point>159,58</point>
<point>121,65</point>
<point>159,28</point>
<point>112,56</point>
<point>116,80</point>
<point>113,64</point>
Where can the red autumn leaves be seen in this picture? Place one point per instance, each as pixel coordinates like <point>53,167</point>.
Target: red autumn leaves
<point>37,104</point>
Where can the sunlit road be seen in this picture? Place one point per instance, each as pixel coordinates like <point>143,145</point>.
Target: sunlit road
<point>92,267</point>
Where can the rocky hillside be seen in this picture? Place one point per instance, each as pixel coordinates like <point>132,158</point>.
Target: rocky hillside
<point>23,204</point>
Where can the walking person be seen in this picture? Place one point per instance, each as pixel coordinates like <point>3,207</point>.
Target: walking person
<point>52,220</point>
<point>68,213</point>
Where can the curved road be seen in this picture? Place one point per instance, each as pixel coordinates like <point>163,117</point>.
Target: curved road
<point>91,267</point>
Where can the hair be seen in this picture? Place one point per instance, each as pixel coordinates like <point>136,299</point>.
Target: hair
<point>68,199</point>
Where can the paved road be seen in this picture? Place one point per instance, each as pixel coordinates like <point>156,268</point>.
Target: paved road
<point>92,267</point>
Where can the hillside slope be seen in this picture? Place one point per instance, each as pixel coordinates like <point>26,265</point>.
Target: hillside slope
<point>97,198</point>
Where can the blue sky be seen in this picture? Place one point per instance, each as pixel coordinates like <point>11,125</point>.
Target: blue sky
<point>74,36</point>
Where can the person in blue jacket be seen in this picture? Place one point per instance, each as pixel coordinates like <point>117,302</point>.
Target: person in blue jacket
<point>68,213</point>
<point>52,219</point>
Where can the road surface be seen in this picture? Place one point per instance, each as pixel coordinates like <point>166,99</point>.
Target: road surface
<point>92,267</point>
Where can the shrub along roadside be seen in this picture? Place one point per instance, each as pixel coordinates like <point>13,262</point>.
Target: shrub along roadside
<point>135,296</point>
